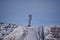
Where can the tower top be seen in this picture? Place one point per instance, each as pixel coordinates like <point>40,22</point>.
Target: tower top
<point>29,20</point>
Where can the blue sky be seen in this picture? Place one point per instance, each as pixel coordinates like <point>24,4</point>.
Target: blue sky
<point>44,12</point>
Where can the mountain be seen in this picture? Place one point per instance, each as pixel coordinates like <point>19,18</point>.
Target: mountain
<point>24,33</point>
<point>35,33</point>
<point>15,32</point>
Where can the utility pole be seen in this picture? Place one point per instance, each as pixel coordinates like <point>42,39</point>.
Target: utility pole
<point>29,20</point>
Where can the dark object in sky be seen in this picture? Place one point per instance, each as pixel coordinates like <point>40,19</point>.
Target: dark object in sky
<point>29,20</point>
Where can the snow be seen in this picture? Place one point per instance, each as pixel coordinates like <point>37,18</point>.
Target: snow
<point>22,33</point>
<point>13,32</point>
<point>6,29</point>
<point>31,35</point>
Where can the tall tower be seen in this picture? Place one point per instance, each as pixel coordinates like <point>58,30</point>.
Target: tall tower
<point>29,20</point>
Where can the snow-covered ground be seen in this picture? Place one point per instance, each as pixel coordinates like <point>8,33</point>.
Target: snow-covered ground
<point>14,32</point>
<point>51,31</point>
<point>6,29</point>
<point>23,33</point>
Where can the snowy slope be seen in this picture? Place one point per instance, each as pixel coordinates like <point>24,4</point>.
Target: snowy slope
<point>28,33</point>
<point>6,29</point>
<point>23,33</point>
<point>51,31</point>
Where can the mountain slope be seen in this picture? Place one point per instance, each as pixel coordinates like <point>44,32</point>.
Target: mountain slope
<point>23,33</point>
<point>6,29</point>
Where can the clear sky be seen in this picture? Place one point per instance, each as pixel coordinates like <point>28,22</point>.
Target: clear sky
<point>44,12</point>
